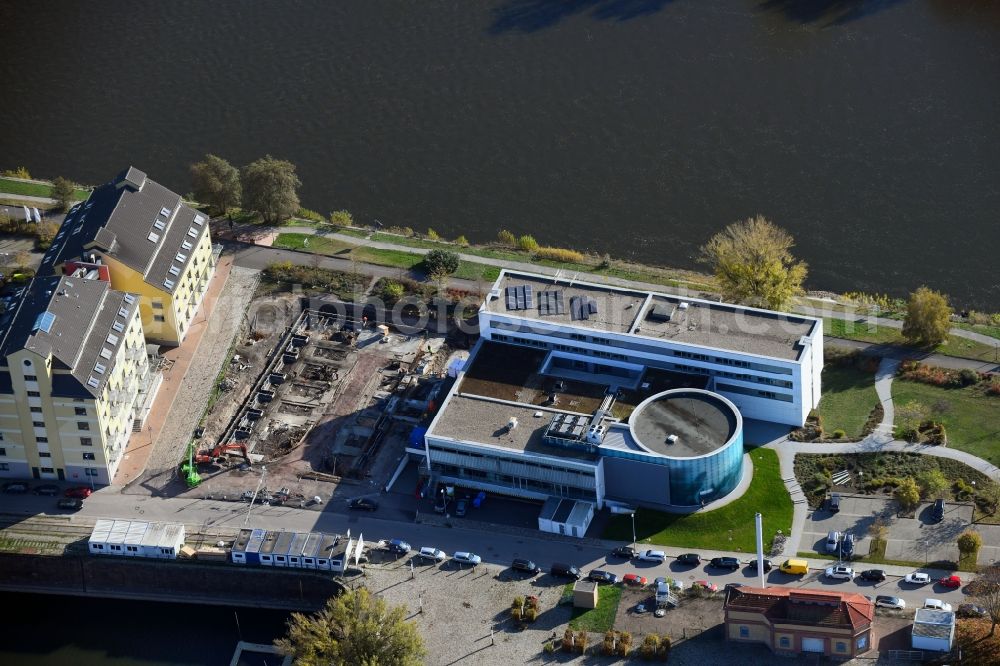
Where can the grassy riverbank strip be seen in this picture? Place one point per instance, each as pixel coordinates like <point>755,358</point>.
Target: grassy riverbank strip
<point>33,189</point>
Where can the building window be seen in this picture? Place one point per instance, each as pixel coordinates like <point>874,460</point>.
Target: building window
<point>841,646</point>
<point>86,441</point>
<point>80,411</point>
<point>31,378</point>
<point>34,394</point>
<point>42,440</point>
<point>82,425</point>
<point>44,454</point>
<point>88,456</point>
<point>90,472</point>
<point>4,467</point>
<point>785,642</point>
<point>744,632</point>
<point>38,424</point>
<point>862,642</point>
<point>3,451</point>
<point>158,318</point>
<point>157,305</point>
<point>36,410</point>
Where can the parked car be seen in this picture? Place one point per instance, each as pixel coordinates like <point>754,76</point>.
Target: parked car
<point>832,541</point>
<point>70,503</point>
<point>461,506</point>
<point>398,546</point>
<point>876,575</point>
<point>49,489</point>
<point>730,563</point>
<point>463,557</point>
<point>847,546</point>
<point>886,601</point>
<point>441,503</point>
<point>431,553</point>
<point>840,572</point>
<point>690,559</point>
<point>634,580</point>
<point>833,504</point>
<point>950,581</point>
<point>628,552</point>
<point>917,578</point>
<point>521,564</point>
<point>704,585</point>
<point>82,492</point>
<point>362,504</point>
<point>652,556</point>
<point>15,487</point>
<point>937,513</point>
<point>561,570</point>
<point>971,610</point>
<point>768,565</point>
<point>670,582</point>
<point>602,576</point>
<point>937,604</point>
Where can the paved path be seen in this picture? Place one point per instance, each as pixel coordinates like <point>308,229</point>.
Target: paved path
<point>849,315</point>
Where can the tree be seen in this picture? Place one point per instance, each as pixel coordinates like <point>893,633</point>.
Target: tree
<point>527,243</point>
<point>270,188</point>
<point>753,263</point>
<point>907,494</point>
<point>341,218</point>
<point>217,183</point>
<point>440,263</point>
<point>462,241</point>
<point>46,231</point>
<point>932,483</point>
<point>433,235</point>
<point>909,416</point>
<point>928,317</point>
<point>63,191</point>
<point>988,594</point>
<point>969,542</point>
<point>506,238</point>
<point>392,291</point>
<point>354,628</point>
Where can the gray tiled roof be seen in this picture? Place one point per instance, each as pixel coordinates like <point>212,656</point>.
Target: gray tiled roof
<point>122,219</point>
<point>83,313</point>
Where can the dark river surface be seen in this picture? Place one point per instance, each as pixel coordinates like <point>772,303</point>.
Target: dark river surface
<point>869,129</point>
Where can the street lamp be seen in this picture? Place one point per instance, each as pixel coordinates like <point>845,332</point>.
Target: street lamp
<point>633,529</point>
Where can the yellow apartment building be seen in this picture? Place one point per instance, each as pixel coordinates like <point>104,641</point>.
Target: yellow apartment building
<point>74,375</point>
<point>146,241</point>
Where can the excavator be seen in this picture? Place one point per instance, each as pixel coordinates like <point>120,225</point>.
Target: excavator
<point>220,450</point>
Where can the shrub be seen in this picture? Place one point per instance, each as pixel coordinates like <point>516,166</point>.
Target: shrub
<point>665,645</point>
<point>907,494</point>
<point>968,376</point>
<point>516,613</point>
<point>46,231</point>
<point>401,231</point>
<point>440,263</point>
<point>550,647</point>
<point>567,640</point>
<point>433,235</point>
<point>962,489</point>
<point>19,172</point>
<point>608,645</point>
<point>581,641</point>
<point>530,614</point>
<point>462,241</point>
<point>560,254</point>
<point>969,541</point>
<point>518,602</point>
<point>650,646</point>
<point>506,238</point>
<point>310,215</point>
<point>527,243</point>
<point>839,434</point>
<point>624,643</point>
<point>341,218</point>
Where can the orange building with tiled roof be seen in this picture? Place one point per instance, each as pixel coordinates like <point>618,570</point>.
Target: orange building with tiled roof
<point>794,620</point>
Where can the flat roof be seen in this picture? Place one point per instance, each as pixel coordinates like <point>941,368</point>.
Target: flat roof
<point>470,418</point>
<point>657,315</point>
<point>701,422</point>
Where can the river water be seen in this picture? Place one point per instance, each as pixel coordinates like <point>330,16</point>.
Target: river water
<point>868,128</point>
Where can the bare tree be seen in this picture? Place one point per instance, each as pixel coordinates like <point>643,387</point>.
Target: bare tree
<point>987,594</point>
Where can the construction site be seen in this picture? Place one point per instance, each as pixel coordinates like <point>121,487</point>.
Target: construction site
<point>329,399</point>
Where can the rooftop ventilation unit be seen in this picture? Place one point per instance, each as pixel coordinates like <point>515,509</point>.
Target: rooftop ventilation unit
<point>512,423</point>
<point>684,305</point>
<point>672,439</point>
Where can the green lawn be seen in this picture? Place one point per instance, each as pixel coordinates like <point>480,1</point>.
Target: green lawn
<point>9,186</point>
<point>992,331</point>
<point>848,398</point>
<point>728,528</point>
<point>600,619</point>
<point>316,244</point>
<point>864,332</point>
<point>971,418</point>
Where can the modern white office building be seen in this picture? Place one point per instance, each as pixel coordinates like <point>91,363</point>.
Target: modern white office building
<point>618,396</point>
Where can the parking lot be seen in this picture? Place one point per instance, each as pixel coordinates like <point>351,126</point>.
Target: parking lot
<point>917,539</point>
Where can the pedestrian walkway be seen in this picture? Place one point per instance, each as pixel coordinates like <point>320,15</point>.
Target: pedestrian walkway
<point>141,444</point>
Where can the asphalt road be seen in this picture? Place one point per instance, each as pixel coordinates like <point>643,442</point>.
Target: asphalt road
<point>496,550</point>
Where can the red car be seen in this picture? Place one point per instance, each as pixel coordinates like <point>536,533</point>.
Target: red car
<point>705,585</point>
<point>951,581</point>
<point>82,492</point>
<point>634,579</point>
